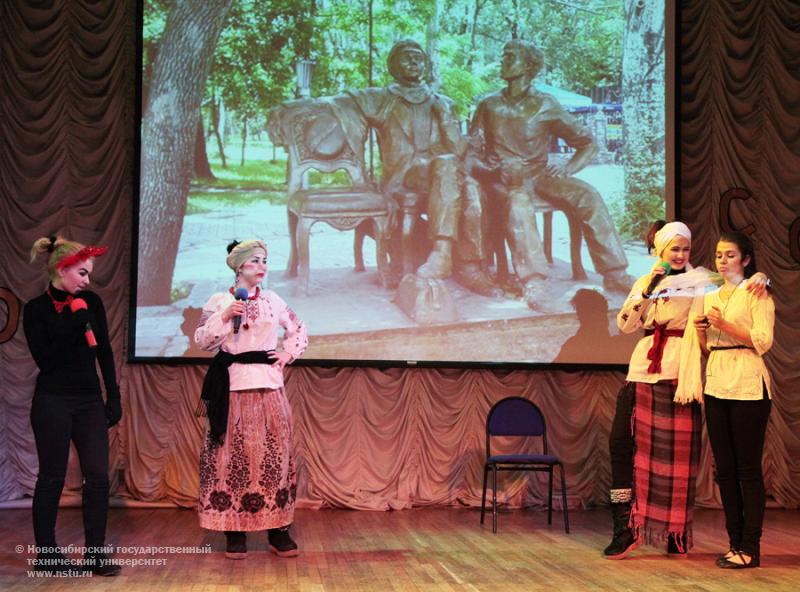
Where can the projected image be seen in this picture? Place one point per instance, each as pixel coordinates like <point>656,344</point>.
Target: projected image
<point>437,181</point>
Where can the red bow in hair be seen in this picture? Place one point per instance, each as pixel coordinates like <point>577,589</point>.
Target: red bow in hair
<point>82,255</point>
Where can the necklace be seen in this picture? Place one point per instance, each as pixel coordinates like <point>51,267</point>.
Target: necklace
<point>725,293</point>
<point>251,308</point>
<point>727,301</point>
<point>253,297</point>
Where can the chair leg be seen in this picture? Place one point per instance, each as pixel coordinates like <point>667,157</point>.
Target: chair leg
<point>303,235</point>
<point>564,498</point>
<point>291,266</point>
<point>358,246</point>
<point>407,240</point>
<point>550,496</point>
<point>575,240</point>
<point>483,497</point>
<point>381,251</point>
<point>494,498</point>
<point>499,249</point>
<point>548,236</point>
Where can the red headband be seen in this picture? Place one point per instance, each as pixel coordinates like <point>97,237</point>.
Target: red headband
<point>82,255</point>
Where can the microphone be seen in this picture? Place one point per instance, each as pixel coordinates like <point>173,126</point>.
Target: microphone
<point>656,279</point>
<point>239,294</point>
<point>80,304</point>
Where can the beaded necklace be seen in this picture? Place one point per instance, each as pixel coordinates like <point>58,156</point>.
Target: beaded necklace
<point>250,306</point>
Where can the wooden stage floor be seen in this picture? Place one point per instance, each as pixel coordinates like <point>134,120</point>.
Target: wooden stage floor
<point>422,549</point>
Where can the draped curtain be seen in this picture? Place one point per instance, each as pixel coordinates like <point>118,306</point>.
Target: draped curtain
<point>371,438</point>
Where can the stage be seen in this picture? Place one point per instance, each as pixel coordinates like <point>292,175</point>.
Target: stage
<point>420,550</point>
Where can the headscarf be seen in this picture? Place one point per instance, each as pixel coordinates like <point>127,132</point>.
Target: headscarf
<point>241,252</point>
<point>668,232</point>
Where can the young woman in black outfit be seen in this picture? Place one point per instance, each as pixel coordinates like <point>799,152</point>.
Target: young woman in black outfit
<point>67,334</point>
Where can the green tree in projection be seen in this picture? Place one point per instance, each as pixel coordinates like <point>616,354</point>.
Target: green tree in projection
<point>341,39</point>
<point>581,41</point>
<point>468,37</point>
<point>169,128</point>
<point>340,46</point>
<point>254,63</point>
<point>644,119</point>
<point>154,19</point>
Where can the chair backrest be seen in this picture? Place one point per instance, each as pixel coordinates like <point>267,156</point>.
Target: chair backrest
<point>314,136</point>
<point>515,416</point>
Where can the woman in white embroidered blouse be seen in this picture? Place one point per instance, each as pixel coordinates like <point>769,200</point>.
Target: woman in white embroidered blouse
<point>247,474</point>
<point>736,330</point>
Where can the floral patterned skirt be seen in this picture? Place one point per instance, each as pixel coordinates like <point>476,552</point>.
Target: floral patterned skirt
<point>248,482</point>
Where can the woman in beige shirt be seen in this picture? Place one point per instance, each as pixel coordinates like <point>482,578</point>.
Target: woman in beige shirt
<point>736,331</point>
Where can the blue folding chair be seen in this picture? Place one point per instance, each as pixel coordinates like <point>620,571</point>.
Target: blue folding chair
<point>515,416</point>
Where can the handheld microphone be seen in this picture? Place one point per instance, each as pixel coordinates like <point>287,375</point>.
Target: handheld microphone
<point>239,294</point>
<point>656,279</point>
<point>80,304</point>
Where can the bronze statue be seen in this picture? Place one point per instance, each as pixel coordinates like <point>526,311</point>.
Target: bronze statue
<point>516,126</point>
<point>421,148</point>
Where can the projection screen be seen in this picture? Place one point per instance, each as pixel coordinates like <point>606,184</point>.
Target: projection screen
<point>456,170</point>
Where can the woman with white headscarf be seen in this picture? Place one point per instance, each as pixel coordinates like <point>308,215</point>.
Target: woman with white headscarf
<point>654,472</point>
<point>247,475</point>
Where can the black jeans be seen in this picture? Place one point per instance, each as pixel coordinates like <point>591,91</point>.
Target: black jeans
<point>736,432</point>
<point>56,420</point>
<point>620,439</point>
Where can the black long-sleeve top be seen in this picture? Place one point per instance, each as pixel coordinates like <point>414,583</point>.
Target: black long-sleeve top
<point>58,345</point>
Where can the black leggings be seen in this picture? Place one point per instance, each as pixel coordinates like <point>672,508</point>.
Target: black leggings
<point>620,440</point>
<point>56,420</point>
<point>736,432</point>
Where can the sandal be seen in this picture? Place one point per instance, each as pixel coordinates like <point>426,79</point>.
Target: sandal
<point>741,560</point>
<point>722,558</point>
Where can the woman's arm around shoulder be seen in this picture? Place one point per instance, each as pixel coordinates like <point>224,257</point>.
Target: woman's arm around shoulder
<point>762,312</point>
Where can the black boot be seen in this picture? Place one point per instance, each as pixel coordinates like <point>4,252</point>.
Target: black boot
<point>676,546</point>
<point>100,564</point>
<point>623,540</point>
<point>281,543</point>
<point>235,544</point>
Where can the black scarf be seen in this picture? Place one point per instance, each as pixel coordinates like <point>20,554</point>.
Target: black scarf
<point>216,387</point>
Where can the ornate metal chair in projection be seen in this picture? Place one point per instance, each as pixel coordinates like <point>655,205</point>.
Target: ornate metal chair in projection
<point>497,246</point>
<point>315,139</point>
<point>516,416</point>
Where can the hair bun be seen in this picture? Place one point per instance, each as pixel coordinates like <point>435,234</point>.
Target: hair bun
<point>650,236</point>
<point>232,245</point>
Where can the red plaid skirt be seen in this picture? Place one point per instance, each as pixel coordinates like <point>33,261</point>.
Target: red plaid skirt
<point>665,462</point>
